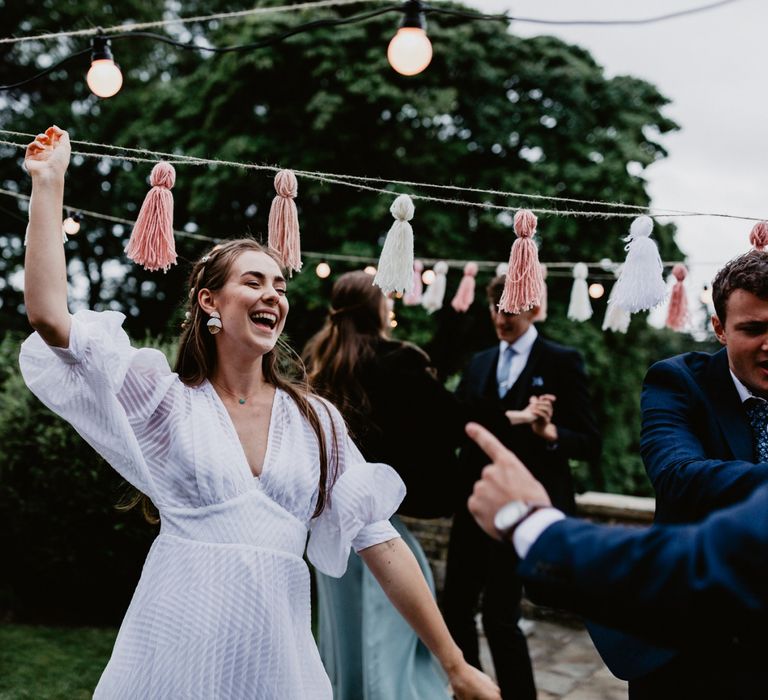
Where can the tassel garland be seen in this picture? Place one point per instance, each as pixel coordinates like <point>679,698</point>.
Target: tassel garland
<point>541,314</point>
<point>465,294</point>
<point>677,314</point>
<point>283,226</point>
<point>433,298</point>
<point>641,285</point>
<point>759,235</point>
<point>523,287</point>
<point>151,244</point>
<point>413,297</point>
<point>580,308</point>
<point>395,269</point>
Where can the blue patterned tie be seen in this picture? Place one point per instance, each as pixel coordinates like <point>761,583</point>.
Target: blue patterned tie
<point>757,411</point>
<point>502,373</point>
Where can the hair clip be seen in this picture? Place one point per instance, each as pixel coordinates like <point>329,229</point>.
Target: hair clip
<point>204,259</point>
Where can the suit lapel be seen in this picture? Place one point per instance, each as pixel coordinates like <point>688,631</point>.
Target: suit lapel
<point>486,373</point>
<point>727,407</point>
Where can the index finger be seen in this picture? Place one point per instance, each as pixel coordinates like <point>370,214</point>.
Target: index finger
<point>487,441</point>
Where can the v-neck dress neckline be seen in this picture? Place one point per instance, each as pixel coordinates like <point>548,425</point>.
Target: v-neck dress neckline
<point>233,431</point>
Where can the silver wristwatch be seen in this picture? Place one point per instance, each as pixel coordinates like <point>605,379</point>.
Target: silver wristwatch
<point>511,515</point>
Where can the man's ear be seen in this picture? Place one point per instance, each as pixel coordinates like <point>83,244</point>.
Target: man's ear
<point>206,301</point>
<point>719,330</point>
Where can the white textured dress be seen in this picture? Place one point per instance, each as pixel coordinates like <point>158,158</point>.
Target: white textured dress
<point>222,610</point>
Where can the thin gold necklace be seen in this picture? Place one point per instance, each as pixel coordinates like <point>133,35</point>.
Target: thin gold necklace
<point>240,399</point>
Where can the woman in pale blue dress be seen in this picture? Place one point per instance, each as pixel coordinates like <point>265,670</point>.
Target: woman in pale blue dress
<point>398,413</point>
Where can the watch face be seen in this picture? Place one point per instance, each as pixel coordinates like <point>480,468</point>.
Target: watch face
<point>509,514</point>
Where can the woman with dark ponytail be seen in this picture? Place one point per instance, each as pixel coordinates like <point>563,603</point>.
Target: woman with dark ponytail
<point>240,462</point>
<point>400,414</point>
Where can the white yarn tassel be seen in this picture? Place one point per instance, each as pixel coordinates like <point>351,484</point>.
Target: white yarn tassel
<point>395,269</point>
<point>616,319</point>
<point>580,308</point>
<point>641,285</point>
<point>433,298</point>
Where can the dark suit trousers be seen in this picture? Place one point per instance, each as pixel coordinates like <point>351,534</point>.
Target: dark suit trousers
<point>481,573</point>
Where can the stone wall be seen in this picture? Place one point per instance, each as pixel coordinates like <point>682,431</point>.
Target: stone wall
<point>600,507</point>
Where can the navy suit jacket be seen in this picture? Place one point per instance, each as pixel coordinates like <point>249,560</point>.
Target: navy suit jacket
<point>697,585</point>
<point>697,447</point>
<point>551,369</point>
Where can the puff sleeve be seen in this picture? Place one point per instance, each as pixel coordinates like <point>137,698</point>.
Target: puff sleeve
<point>106,389</point>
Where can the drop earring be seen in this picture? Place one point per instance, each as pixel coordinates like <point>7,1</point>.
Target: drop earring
<point>214,323</point>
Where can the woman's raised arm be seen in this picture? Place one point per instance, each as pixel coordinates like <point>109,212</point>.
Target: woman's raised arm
<point>45,269</point>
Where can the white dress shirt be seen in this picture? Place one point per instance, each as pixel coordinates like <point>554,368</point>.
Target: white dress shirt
<point>522,347</point>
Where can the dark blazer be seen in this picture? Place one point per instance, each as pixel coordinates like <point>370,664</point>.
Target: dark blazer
<point>414,424</point>
<point>701,587</point>
<point>551,369</point>
<point>697,448</point>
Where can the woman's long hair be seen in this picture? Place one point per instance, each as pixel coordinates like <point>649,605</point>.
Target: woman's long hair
<point>196,360</point>
<point>337,353</point>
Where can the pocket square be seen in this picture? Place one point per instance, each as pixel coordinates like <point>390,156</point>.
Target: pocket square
<point>537,381</point>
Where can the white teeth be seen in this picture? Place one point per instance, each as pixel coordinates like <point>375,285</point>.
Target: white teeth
<point>271,319</point>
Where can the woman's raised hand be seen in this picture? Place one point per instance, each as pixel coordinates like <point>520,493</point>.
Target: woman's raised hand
<point>468,683</point>
<point>48,154</point>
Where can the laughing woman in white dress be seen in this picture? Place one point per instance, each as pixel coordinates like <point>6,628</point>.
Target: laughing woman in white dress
<point>241,464</point>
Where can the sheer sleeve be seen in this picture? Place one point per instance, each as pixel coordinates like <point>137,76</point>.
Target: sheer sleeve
<point>109,391</point>
<point>363,498</point>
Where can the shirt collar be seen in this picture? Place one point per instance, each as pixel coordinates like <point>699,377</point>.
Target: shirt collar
<point>523,345</point>
<point>742,390</point>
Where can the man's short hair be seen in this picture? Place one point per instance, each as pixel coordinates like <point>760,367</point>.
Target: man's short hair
<point>748,272</point>
<point>495,289</point>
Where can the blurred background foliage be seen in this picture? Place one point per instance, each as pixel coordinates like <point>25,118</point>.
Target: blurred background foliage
<point>492,111</point>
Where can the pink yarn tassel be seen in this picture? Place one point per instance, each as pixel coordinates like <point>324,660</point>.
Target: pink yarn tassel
<point>677,315</point>
<point>759,236</point>
<point>151,244</point>
<point>283,227</point>
<point>541,314</point>
<point>413,298</point>
<point>465,294</point>
<point>523,287</point>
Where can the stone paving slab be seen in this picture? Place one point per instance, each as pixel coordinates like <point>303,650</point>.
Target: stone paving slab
<point>566,664</point>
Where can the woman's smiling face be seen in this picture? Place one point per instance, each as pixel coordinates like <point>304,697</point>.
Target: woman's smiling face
<point>252,303</point>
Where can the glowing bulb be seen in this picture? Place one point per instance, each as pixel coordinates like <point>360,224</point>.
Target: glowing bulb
<point>410,51</point>
<point>706,296</point>
<point>428,276</point>
<point>391,314</point>
<point>322,270</point>
<point>370,269</point>
<point>104,77</point>
<point>596,290</point>
<point>393,323</point>
<point>71,225</point>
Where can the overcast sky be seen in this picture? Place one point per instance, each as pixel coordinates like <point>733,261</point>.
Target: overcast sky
<point>712,66</point>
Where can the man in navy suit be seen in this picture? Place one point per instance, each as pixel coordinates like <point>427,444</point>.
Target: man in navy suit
<point>702,587</point>
<point>534,394</point>
<point>705,447</point>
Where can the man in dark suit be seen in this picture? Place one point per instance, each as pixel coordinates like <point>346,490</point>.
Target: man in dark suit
<point>702,586</point>
<point>534,394</point>
<point>705,447</point>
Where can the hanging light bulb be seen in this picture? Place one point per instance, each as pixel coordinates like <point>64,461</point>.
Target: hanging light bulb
<point>410,50</point>
<point>71,224</point>
<point>104,77</point>
<point>596,290</point>
<point>428,276</point>
<point>322,270</point>
<point>370,269</point>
